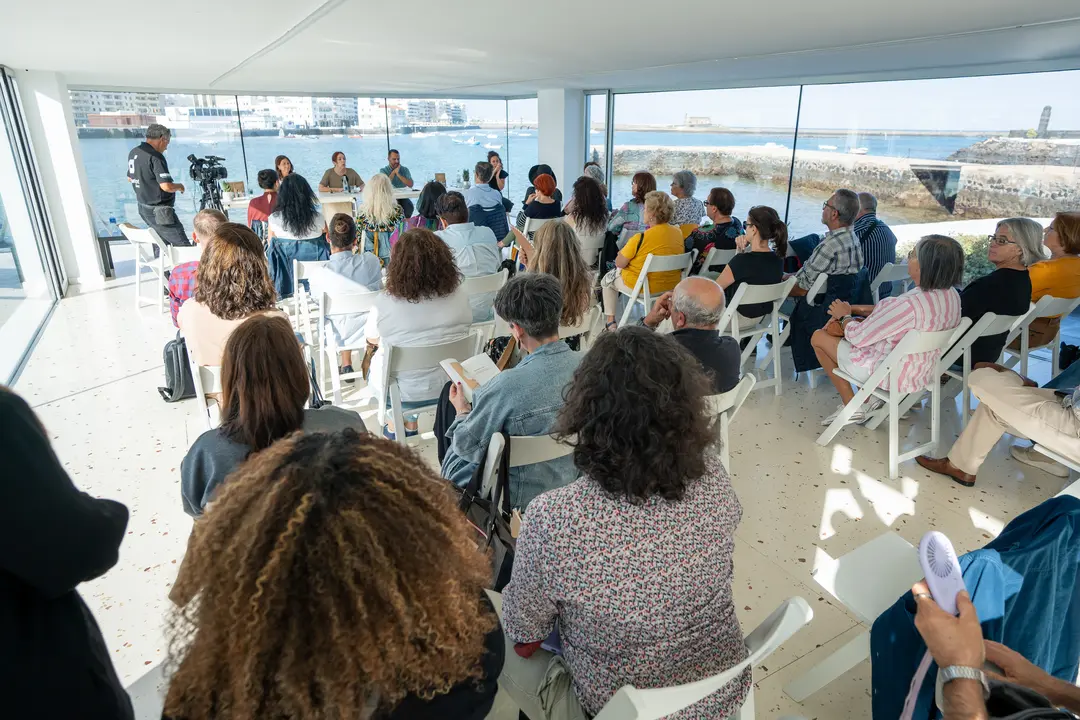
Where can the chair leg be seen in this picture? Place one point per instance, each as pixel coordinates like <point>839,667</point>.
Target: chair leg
<point>725,455</point>
<point>164,282</point>
<point>746,712</point>
<point>1055,354</point>
<point>138,284</point>
<point>894,437</point>
<point>811,377</point>
<point>847,657</point>
<point>1025,348</point>
<point>935,417</point>
<point>335,376</point>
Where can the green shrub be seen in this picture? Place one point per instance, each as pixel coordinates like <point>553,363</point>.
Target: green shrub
<point>976,264</point>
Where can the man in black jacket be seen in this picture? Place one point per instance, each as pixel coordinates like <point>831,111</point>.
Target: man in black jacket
<point>53,659</point>
<point>694,308</point>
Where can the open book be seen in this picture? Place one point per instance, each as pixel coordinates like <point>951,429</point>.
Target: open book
<point>471,373</point>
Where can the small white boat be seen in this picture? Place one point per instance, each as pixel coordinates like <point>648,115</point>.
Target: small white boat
<point>530,135</point>
<point>492,137</point>
<point>858,151</point>
<point>826,147</point>
<point>492,146</point>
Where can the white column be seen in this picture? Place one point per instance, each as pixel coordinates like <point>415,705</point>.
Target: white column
<point>51,124</point>
<point>561,114</point>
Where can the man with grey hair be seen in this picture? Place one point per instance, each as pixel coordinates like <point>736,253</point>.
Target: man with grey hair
<point>155,191</point>
<point>688,209</point>
<point>694,308</point>
<point>523,400</point>
<point>876,239</point>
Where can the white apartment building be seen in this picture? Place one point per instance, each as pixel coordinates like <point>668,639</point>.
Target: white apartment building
<point>86,102</point>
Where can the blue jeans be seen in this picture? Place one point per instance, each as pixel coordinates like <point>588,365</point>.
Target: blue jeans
<point>281,253</point>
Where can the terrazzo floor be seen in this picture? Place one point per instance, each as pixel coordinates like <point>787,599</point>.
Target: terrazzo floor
<point>92,380</point>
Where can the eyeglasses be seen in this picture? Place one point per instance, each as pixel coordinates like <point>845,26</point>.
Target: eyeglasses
<point>827,205</point>
<point>707,204</point>
<point>999,240</point>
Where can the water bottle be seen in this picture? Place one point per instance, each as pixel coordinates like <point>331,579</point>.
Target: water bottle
<point>114,228</point>
<point>345,183</point>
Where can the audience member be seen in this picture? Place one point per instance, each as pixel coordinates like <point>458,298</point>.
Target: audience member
<point>498,172</point>
<point>379,216</point>
<point>476,251</point>
<point>264,387</point>
<point>542,204</point>
<point>54,658</point>
<point>534,172</point>
<point>284,167</point>
<point>427,207</point>
<point>587,211</point>
<point>876,238</point>
<point>557,253</point>
<point>1058,277</point>
<point>652,497</point>
<point>423,304</point>
<point>232,284</point>
<point>338,177</point>
<point>1015,245</point>
<point>721,234</point>
<point>400,178</point>
<point>260,208</point>
<point>594,171</point>
<point>629,220</point>
<point>297,232</point>
<point>695,308</point>
<point>523,400</point>
<point>839,256</point>
<point>688,209</point>
<point>485,203</point>
<point>333,578</point>
<point>661,238</point>
<point>182,277</point>
<point>766,237</point>
<point>858,345</point>
<point>347,271</point>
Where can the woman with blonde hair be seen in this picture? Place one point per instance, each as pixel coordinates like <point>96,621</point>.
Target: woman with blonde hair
<point>379,216</point>
<point>558,253</point>
<point>301,599</point>
<point>1058,277</point>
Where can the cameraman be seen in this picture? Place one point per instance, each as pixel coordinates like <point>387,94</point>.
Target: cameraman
<point>148,172</point>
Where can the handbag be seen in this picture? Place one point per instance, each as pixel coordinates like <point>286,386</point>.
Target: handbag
<point>491,517</point>
<point>179,384</point>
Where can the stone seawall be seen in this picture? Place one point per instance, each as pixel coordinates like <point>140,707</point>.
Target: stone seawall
<point>976,190</point>
<point>1021,151</point>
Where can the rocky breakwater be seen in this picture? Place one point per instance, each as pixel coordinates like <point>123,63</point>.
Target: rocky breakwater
<point>1021,151</point>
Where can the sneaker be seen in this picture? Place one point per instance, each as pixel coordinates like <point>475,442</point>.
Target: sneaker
<point>858,417</point>
<point>870,407</point>
<point>1031,456</point>
<point>346,369</point>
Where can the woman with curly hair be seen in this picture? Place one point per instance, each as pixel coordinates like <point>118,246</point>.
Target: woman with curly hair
<point>379,216</point>
<point>655,514</point>
<point>232,284</point>
<point>296,231</point>
<point>587,210</point>
<point>422,304</point>
<point>301,598</point>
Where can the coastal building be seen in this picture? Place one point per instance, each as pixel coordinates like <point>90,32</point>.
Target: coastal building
<point>87,102</point>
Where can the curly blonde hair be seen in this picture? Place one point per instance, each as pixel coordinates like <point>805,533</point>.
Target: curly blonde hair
<point>333,576</point>
<point>660,206</point>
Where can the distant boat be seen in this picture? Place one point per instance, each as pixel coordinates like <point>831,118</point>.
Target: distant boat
<point>492,137</point>
<point>338,135</point>
<point>826,147</point>
<point>858,151</point>
<point>529,135</point>
<point>356,137</point>
<point>492,146</point>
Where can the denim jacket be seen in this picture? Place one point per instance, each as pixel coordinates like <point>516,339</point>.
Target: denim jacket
<point>523,400</point>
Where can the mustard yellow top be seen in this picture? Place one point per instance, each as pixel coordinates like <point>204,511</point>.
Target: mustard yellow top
<point>658,240</point>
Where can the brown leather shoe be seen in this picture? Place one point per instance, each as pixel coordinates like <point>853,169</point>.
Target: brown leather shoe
<point>943,466</point>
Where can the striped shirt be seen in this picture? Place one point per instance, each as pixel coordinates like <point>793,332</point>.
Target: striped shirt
<point>921,310</point>
<point>878,243</point>
<point>838,254</point>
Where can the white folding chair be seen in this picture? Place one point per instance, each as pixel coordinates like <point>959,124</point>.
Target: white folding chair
<point>730,322</point>
<point>207,380</point>
<point>524,450</point>
<point>534,224</point>
<point>146,241</point>
<point>417,357</point>
<point>338,305</point>
<point>485,285</point>
<point>631,703</point>
<point>912,343</point>
<point>586,328</point>
<point>724,407</point>
<point>816,288</point>
<point>866,581</point>
<point>654,264</point>
<point>715,257</point>
<point>895,273</point>
<point>299,305</point>
<point>592,247</point>
<point>1046,307</point>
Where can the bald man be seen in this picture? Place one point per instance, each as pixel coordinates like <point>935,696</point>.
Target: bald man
<point>694,308</point>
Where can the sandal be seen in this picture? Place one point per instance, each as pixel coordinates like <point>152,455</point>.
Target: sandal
<point>613,325</point>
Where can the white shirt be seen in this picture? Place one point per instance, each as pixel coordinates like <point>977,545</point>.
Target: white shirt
<point>346,273</point>
<point>397,322</point>
<point>318,227</point>
<point>476,252</point>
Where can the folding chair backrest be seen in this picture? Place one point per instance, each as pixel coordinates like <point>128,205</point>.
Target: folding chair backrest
<point>919,342</point>
<point>182,254</point>
<point>534,224</point>
<point>748,294</point>
<point>426,357</point>
<point>586,326</point>
<point>733,399</point>
<point>989,324</point>
<point>891,273</point>
<point>524,450</point>
<point>144,240</point>
<point>485,283</point>
<point>716,256</point>
<point>687,228</point>
<point>667,263</point>
<point>302,270</point>
<point>1049,306</point>
<point>591,247</point>
<point>205,380</point>
<point>816,288</point>
<point>347,303</point>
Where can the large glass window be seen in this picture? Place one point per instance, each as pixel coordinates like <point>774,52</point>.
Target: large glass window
<point>596,128</point>
<point>741,139</point>
<point>522,131</point>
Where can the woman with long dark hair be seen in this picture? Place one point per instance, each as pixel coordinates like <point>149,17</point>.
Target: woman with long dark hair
<point>427,213</point>
<point>283,165</point>
<point>760,260</point>
<point>297,232</point>
<point>587,212</point>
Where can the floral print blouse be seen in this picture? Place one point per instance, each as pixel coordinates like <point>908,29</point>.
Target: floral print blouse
<point>641,593</point>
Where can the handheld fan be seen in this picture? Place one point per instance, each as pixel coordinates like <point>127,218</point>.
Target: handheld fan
<point>942,570</point>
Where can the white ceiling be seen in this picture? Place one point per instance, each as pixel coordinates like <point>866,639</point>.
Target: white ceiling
<point>488,48</point>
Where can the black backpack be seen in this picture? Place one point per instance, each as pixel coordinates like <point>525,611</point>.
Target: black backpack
<point>178,382</point>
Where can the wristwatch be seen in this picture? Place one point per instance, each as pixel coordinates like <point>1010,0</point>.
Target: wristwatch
<point>960,672</point>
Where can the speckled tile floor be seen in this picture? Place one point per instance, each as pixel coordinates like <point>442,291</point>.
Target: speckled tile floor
<point>93,376</point>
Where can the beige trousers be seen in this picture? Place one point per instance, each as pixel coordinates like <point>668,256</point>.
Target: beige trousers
<point>1006,406</point>
<point>611,295</point>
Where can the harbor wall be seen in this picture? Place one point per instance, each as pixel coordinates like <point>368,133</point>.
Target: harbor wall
<point>980,190</point>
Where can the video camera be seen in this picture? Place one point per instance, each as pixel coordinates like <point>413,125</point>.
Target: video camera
<point>207,169</point>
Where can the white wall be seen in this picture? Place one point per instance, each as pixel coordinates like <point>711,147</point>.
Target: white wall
<point>561,116</point>
<point>50,121</point>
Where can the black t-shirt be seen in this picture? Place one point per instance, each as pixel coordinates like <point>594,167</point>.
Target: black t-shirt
<point>1002,292</point>
<point>494,181</point>
<point>719,355</point>
<point>543,211</point>
<point>147,169</point>
<point>755,268</point>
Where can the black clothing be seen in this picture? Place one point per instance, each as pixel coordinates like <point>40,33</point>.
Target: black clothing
<point>147,169</point>
<point>53,659</point>
<point>1002,292</point>
<point>755,268</point>
<point>406,207</point>
<point>543,211</point>
<point>494,181</point>
<point>163,219</point>
<point>719,356</point>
